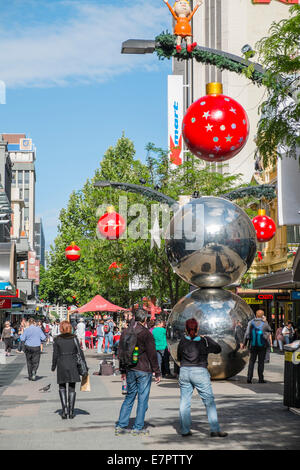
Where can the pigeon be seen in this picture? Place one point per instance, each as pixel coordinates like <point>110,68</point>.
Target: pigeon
<point>45,389</point>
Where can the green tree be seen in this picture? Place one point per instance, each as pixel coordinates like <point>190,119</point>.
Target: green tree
<point>77,222</point>
<point>278,127</point>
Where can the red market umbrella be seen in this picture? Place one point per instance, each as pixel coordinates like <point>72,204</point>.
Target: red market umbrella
<point>99,304</point>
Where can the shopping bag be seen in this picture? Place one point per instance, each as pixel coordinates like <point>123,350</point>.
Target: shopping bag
<point>85,384</point>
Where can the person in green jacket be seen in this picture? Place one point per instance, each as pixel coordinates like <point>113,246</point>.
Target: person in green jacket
<point>160,338</point>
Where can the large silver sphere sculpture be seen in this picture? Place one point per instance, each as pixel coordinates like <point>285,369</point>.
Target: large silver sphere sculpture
<point>210,242</point>
<point>217,311</point>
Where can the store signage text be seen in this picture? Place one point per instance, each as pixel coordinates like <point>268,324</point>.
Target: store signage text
<point>265,296</point>
<point>252,301</point>
<point>287,2</point>
<point>175,116</point>
<point>280,297</point>
<point>295,295</point>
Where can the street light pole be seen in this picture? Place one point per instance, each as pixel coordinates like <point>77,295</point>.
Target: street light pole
<point>148,46</point>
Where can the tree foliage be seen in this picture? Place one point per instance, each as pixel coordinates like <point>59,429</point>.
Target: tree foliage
<point>278,128</point>
<point>64,280</point>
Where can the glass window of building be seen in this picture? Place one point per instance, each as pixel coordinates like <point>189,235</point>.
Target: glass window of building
<point>26,195</point>
<point>26,177</point>
<point>26,213</point>
<point>293,234</point>
<point>20,178</point>
<point>13,178</point>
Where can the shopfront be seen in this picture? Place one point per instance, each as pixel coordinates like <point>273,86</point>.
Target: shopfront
<point>12,307</point>
<point>286,306</point>
<point>279,307</point>
<point>295,297</point>
<point>258,301</point>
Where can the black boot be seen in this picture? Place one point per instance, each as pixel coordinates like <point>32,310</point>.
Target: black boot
<point>63,399</point>
<point>72,398</point>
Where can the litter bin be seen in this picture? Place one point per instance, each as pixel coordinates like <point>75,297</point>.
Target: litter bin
<point>291,396</point>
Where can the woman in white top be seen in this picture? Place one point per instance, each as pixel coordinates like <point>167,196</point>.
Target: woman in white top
<point>288,333</point>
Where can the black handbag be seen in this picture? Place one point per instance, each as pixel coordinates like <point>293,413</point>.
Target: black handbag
<point>81,364</point>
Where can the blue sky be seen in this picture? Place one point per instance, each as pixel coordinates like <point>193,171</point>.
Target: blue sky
<point>70,89</point>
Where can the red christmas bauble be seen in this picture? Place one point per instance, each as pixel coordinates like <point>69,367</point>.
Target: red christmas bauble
<point>111,225</point>
<point>215,128</point>
<point>72,252</point>
<point>264,226</point>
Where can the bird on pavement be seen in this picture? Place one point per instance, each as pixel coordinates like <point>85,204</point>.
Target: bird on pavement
<point>45,389</point>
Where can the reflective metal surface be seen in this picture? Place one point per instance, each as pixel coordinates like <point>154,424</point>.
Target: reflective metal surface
<point>210,242</point>
<point>217,311</point>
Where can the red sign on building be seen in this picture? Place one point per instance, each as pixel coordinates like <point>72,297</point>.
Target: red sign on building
<point>37,271</point>
<point>265,296</point>
<point>31,264</point>
<point>5,303</point>
<point>287,2</point>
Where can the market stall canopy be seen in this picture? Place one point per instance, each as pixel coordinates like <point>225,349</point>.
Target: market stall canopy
<point>98,304</point>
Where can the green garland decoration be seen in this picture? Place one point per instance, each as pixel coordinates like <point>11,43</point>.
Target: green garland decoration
<point>266,191</point>
<point>166,48</point>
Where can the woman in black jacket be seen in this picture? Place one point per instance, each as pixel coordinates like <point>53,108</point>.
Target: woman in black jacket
<point>192,353</point>
<point>65,348</point>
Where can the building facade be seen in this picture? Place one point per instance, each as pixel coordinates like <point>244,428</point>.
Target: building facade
<point>17,173</point>
<point>5,192</point>
<point>22,154</point>
<point>39,240</point>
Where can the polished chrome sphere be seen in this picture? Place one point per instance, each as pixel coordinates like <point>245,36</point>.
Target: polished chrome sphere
<point>218,312</point>
<point>210,242</point>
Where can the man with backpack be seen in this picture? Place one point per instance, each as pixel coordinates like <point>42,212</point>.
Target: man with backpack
<point>138,361</point>
<point>257,335</point>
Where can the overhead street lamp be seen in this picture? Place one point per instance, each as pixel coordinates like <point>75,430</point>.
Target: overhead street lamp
<point>148,46</point>
<point>138,46</point>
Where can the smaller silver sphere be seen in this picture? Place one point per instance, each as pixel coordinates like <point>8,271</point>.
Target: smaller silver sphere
<point>210,242</point>
<point>218,312</point>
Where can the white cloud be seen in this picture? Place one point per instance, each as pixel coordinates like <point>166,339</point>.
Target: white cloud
<point>85,48</point>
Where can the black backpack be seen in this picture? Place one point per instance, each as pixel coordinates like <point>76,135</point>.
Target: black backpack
<point>128,342</point>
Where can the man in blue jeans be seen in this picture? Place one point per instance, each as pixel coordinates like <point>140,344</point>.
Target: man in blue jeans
<point>139,378</point>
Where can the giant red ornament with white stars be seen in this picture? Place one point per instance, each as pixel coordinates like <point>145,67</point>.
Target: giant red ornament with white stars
<point>215,128</point>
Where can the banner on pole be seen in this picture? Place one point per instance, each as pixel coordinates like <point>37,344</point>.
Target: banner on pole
<point>175,117</point>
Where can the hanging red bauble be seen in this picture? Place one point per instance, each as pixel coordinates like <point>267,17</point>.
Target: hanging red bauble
<point>264,226</point>
<point>111,225</point>
<point>215,128</point>
<point>72,252</point>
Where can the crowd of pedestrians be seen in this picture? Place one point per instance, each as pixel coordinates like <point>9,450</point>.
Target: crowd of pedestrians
<point>152,359</point>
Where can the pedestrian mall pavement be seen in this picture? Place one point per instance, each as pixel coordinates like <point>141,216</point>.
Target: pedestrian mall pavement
<point>252,414</point>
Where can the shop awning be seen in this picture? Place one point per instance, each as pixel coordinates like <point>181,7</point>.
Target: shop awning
<point>289,279</point>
